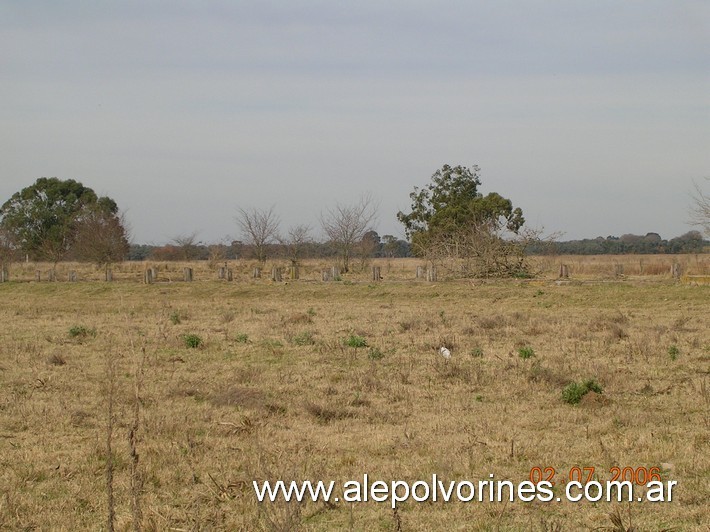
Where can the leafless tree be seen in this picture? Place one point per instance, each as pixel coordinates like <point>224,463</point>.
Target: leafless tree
<point>700,209</point>
<point>188,245</point>
<point>346,225</point>
<point>260,227</point>
<point>298,237</point>
<point>101,237</point>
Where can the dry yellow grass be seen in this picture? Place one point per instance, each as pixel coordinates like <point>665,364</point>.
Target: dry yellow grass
<point>274,393</point>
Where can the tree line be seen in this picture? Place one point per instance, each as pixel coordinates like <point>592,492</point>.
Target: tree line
<point>450,222</point>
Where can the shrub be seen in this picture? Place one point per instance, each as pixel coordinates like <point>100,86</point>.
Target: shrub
<point>477,352</point>
<point>355,341</point>
<point>673,351</point>
<point>192,341</point>
<point>79,331</point>
<point>175,317</point>
<point>572,393</point>
<point>526,352</point>
<point>241,338</point>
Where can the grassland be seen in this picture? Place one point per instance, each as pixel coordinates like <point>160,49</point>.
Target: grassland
<point>273,391</point>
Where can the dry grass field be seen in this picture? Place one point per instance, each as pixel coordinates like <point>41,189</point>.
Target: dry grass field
<point>273,391</point>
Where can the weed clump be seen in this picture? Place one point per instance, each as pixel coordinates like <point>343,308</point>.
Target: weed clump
<point>355,341</point>
<point>673,352</point>
<point>526,352</point>
<point>79,331</point>
<point>572,393</point>
<point>192,341</point>
<point>175,317</point>
<point>241,338</point>
<point>477,352</point>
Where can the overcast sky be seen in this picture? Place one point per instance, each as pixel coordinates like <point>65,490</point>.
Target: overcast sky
<point>592,116</point>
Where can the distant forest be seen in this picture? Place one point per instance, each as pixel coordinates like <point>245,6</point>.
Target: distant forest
<point>372,245</point>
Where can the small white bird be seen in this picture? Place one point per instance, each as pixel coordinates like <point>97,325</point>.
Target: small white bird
<point>445,352</point>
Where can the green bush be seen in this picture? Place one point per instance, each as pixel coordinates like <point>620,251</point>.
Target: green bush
<point>526,352</point>
<point>572,393</point>
<point>79,331</point>
<point>673,351</point>
<point>241,338</point>
<point>355,341</point>
<point>192,341</point>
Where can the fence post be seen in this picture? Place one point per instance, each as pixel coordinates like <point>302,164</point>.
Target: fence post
<point>420,272</point>
<point>72,276</point>
<point>187,274</point>
<point>325,275</point>
<point>222,272</point>
<point>276,274</point>
<point>431,274</point>
<point>52,275</point>
<point>294,273</point>
<point>230,274</point>
<point>148,276</point>
<point>256,273</point>
<point>676,271</point>
<point>109,275</point>
<point>335,273</point>
<point>564,271</point>
<point>376,273</point>
<point>4,275</point>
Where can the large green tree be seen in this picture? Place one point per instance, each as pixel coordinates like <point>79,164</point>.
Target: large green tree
<point>44,219</point>
<point>451,218</point>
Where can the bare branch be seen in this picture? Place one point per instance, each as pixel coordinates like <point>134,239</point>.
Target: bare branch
<point>346,225</point>
<point>188,244</point>
<point>298,237</point>
<point>260,227</point>
<point>700,209</point>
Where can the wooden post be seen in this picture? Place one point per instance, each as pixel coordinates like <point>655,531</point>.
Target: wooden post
<point>564,271</point>
<point>154,273</point>
<point>72,276</point>
<point>4,276</point>
<point>187,274</point>
<point>326,275</point>
<point>431,274</point>
<point>420,272</point>
<point>276,274</point>
<point>294,273</point>
<point>230,275</point>
<point>222,272</point>
<point>335,273</point>
<point>52,275</point>
<point>38,275</point>
<point>676,271</point>
<point>148,276</point>
<point>376,273</point>
<point>256,274</point>
<point>109,275</point>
